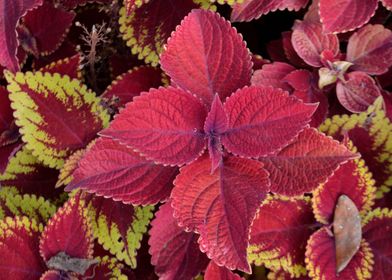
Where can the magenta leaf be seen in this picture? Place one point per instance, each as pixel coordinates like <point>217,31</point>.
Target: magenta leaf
<point>205,55</point>
<point>273,75</point>
<point>215,272</point>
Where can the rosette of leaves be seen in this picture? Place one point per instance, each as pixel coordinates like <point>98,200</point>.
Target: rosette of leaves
<point>257,140</point>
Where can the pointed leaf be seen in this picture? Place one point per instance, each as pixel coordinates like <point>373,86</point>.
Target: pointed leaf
<point>220,206</point>
<point>70,165</point>
<point>279,234</point>
<point>118,227</point>
<point>321,260</point>
<point>175,253</point>
<point>215,272</point>
<point>10,13</point>
<point>206,55</point>
<point>351,179</point>
<point>165,125</point>
<point>305,163</point>
<point>263,120</point>
<point>273,75</point>
<point>309,42</point>
<point>68,231</point>
<point>253,9</point>
<point>370,49</point>
<point>50,110</point>
<point>20,259</point>
<point>68,66</point>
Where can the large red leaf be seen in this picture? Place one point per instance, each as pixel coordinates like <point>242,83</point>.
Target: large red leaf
<point>345,15</point>
<point>215,272</point>
<point>370,49</point>
<point>305,163</point>
<point>321,260</point>
<point>309,42</point>
<point>165,125</point>
<point>263,120</point>
<point>112,170</point>
<point>273,75</point>
<point>377,230</point>
<point>10,13</point>
<point>49,26</point>
<point>175,253</point>
<point>19,250</point>
<point>358,92</point>
<point>68,231</point>
<point>279,234</point>
<point>253,9</point>
<point>220,206</point>
<point>205,55</point>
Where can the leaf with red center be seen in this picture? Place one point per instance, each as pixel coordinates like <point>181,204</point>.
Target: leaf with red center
<point>273,75</point>
<point>344,15</point>
<point>321,260</point>
<point>67,49</point>
<point>68,66</point>
<point>263,120</point>
<point>220,206</point>
<point>358,92</point>
<point>377,230</point>
<point>106,269</point>
<point>206,55</point>
<point>175,253</point>
<point>164,125</point>
<point>253,9</point>
<point>48,36</point>
<point>134,4</point>
<point>20,259</point>
<point>305,163</point>
<point>309,42</point>
<point>56,115</point>
<point>68,231</point>
<point>370,49</point>
<point>215,272</point>
<point>147,35</point>
<point>6,117</point>
<point>351,179</point>
<point>10,13</point>
<point>279,234</point>
<point>128,85</point>
<point>7,152</point>
<point>118,227</point>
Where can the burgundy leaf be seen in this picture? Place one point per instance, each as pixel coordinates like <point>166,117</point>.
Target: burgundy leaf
<point>68,66</point>
<point>205,55</point>
<point>215,272</point>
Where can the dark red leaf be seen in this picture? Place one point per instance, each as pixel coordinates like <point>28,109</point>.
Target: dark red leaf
<point>216,62</point>
<point>263,120</point>
<point>175,253</point>
<point>215,272</point>
<point>67,49</point>
<point>220,206</point>
<point>68,66</point>
<point>165,125</point>
<point>273,75</point>
<point>72,4</point>
<point>387,4</point>
<point>10,13</point>
<point>51,275</point>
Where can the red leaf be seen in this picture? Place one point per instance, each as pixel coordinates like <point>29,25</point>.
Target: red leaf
<point>67,66</point>
<point>67,49</point>
<point>370,49</point>
<point>128,85</point>
<point>10,13</point>
<point>20,259</point>
<point>351,179</point>
<point>309,42</point>
<point>68,231</point>
<point>279,234</point>
<point>220,206</point>
<point>175,253</point>
<point>49,26</point>
<point>290,52</point>
<point>292,173</point>
<point>205,55</point>
<point>112,170</point>
<point>377,230</point>
<point>253,9</point>
<point>263,120</point>
<point>165,125</point>
<point>215,272</point>
<point>387,4</point>
<point>133,4</point>
<point>344,15</point>
<point>321,261</point>
<point>273,75</point>
<point>51,275</point>
<point>72,4</point>
<point>358,92</point>
<point>283,275</point>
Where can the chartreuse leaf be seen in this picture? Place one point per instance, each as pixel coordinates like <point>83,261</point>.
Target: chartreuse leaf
<point>19,239</point>
<point>56,115</point>
<point>12,203</point>
<point>119,227</point>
